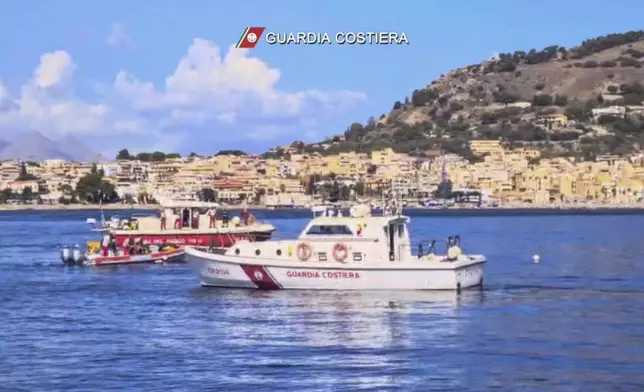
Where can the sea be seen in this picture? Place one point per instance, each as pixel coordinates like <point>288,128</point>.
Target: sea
<point>572,322</point>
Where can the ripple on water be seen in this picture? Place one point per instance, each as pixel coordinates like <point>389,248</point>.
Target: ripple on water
<point>573,322</point>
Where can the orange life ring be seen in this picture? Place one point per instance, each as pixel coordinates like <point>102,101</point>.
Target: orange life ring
<point>304,251</point>
<point>340,252</point>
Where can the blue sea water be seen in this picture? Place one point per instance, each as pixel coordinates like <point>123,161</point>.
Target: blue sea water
<point>573,322</point>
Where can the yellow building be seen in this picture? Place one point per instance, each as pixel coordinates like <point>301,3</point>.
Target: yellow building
<point>491,147</point>
<point>382,157</point>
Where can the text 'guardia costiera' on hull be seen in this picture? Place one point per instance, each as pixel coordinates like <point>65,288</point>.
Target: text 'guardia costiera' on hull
<point>341,38</point>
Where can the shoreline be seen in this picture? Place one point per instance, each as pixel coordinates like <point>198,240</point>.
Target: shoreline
<point>152,207</point>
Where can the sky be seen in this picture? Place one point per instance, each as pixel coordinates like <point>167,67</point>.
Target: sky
<point>164,75</point>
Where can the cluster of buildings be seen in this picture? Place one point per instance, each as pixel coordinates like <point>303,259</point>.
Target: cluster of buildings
<point>508,176</point>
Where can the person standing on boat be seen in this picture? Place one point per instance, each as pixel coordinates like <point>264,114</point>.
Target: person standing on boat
<point>224,217</point>
<point>177,219</point>
<point>211,218</point>
<point>185,222</point>
<point>113,244</point>
<point>163,220</point>
<point>126,246</point>
<point>195,219</point>
<point>245,215</point>
<point>105,244</point>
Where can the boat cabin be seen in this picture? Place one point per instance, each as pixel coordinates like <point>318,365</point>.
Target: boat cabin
<point>179,215</point>
<point>187,214</point>
<point>382,235</point>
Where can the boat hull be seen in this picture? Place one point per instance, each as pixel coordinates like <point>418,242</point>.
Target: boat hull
<point>193,239</point>
<point>255,275</point>
<point>173,256</point>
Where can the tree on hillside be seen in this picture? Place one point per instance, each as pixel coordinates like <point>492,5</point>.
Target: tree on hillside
<point>27,193</point>
<point>542,100</point>
<point>372,169</point>
<point>561,100</point>
<point>332,190</point>
<point>68,192</point>
<point>124,154</point>
<point>207,195</point>
<point>5,195</point>
<point>230,152</point>
<point>93,188</point>
<point>259,193</point>
<point>345,192</point>
<point>311,183</point>
<point>355,131</point>
<point>443,190</point>
<point>360,188</point>
<point>505,97</point>
<point>24,176</point>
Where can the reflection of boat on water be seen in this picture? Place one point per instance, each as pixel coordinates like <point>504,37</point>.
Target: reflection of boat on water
<point>374,330</point>
<point>335,252</point>
<point>378,319</point>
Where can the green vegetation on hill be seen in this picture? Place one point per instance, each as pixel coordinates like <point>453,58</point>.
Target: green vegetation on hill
<point>92,188</point>
<point>156,156</point>
<point>237,153</point>
<point>510,97</point>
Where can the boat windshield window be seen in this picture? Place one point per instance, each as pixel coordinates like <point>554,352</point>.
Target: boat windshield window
<point>329,230</point>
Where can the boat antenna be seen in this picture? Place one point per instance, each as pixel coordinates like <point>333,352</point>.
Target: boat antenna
<point>100,204</point>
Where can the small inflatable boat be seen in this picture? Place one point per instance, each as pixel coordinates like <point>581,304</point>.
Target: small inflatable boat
<point>162,256</point>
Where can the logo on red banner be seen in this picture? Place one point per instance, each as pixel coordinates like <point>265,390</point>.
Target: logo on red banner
<point>250,38</point>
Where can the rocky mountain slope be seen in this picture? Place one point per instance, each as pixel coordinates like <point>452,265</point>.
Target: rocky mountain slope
<point>511,97</point>
<point>33,146</point>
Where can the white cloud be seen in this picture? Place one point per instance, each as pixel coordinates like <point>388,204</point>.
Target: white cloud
<point>117,36</point>
<point>4,93</point>
<point>211,97</point>
<point>55,68</point>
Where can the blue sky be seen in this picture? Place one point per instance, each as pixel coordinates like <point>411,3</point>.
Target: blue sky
<point>325,88</point>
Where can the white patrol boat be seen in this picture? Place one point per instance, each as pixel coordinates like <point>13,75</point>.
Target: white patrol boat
<point>335,252</point>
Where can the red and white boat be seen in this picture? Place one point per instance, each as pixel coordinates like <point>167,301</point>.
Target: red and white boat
<point>190,223</point>
<point>162,256</point>
<point>334,252</point>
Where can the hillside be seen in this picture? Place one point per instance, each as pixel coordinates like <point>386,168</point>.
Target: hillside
<point>33,146</point>
<point>516,97</point>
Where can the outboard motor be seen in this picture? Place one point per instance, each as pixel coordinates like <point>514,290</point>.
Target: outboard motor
<point>77,256</point>
<point>66,254</point>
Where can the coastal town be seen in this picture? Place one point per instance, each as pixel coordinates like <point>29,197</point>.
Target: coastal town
<point>501,177</point>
